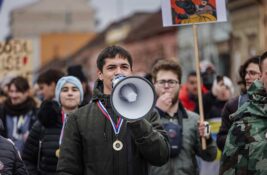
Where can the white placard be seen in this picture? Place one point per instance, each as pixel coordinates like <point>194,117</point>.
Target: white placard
<point>181,12</point>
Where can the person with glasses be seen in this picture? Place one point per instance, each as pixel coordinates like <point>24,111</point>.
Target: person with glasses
<point>248,72</point>
<point>181,125</point>
<point>245,147</point>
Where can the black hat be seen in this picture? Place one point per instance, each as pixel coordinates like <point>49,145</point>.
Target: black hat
<point>77,71</point>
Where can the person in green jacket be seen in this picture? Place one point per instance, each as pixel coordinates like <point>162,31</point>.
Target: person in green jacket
<point>98,142</point>
<point>245,147</point>
<point>181,125</point>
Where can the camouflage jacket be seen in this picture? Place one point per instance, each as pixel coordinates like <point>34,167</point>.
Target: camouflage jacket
<point>245,151</point>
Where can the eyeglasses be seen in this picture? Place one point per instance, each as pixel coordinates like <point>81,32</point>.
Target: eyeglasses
<point>171,83</point>
<point>251,73</point>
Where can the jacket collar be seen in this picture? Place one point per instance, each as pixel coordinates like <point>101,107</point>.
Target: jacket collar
<point>181,110</point>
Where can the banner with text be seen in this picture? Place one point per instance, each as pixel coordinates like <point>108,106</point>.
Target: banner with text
<point>16,59</point>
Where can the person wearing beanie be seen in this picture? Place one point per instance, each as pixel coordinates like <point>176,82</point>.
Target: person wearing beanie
<point>77,71</point>
<point>42,148</point>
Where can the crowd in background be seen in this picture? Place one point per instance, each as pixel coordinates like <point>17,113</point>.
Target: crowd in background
<point>33,119</point>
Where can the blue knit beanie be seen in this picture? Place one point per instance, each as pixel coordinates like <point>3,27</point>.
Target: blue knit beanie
<point>68,79</point>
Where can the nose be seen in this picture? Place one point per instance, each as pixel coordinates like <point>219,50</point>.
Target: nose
<point>118,71</point>
<point>166,85</point>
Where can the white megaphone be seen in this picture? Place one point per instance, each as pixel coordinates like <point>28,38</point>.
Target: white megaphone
<point>132,97</point>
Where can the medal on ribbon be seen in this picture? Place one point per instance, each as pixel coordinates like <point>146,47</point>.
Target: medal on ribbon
<point>117,144</point>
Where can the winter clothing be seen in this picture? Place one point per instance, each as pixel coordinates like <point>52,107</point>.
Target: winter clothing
<point>245,148</point>
<point>229,108</point>
<point>88,137</point>
<point>21,116</point>
<point>44,139</point>
<point>185,163</point>
<point>10,161</point>
<point>68,79</point>
<point>188,100</point>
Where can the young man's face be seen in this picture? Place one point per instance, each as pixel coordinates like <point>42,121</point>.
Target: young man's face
<point>17,97</point>
<point>191,85</point>
<point>112,67</point>
<point>47,91</point>
<point>70,96</point>
<point>171,84</point>
<point>264,73</point>
<point>252,73</point>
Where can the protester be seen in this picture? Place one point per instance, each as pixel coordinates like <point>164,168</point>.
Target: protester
<point>91,146</point>
<point>244,150</point>
<point>188,93</point>
<point>181,125</point>
<point>213,103</point>
<point>249,72</point>
<point>18,112</point>
<point>10,161</point>
<point>42,147</point>
<point>208,73</point>
<point>47,83</point>
<point>77,72</point>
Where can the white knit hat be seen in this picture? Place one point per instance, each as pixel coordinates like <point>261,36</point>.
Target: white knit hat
<point>68,79</point>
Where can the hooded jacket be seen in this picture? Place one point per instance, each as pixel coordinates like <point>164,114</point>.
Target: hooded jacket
<point>245,147</point>
<point>39,153</point>
<point>88,137</point>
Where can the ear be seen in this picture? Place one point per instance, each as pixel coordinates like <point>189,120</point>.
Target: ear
<point>99,74</point>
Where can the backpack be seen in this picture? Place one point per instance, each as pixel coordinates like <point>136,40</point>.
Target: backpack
<point>174,132</point>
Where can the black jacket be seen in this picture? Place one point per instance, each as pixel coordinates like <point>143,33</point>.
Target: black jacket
<point>88,137</point>
<point>230,107</point>
<point>47,131</point>
<point>10,161</point>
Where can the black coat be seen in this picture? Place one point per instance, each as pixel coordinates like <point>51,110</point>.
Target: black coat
<point>10,161</point>
<point>230,107</point>
<point>47,131</point>
<point>87,146</point>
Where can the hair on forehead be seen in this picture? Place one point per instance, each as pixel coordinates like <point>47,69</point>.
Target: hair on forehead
<point>167,65</point>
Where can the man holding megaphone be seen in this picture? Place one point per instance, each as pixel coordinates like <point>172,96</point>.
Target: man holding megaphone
<point>104,137</point>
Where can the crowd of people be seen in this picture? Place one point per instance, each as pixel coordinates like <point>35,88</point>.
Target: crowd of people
<point>67,128</point>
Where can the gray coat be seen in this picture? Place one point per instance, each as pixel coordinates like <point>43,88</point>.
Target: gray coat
<point>185,163</point>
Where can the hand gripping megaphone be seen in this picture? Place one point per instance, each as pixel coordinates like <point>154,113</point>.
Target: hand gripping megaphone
<point>132,97</point>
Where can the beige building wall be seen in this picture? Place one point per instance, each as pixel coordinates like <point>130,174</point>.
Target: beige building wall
<point>56,27</point>
<point>249,30</point>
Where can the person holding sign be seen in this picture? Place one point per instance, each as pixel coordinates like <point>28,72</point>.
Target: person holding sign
<point>181,125</point>
<point>98,141</point>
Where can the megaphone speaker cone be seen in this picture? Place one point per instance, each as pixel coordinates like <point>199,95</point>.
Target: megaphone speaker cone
<point>133,97</point>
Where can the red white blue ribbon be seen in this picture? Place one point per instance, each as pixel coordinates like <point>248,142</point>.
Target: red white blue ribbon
<point>64,121</point>
<point>116,127</point>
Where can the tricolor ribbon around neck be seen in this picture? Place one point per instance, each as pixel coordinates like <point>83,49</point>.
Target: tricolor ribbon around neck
<point>116,127</point>
<point>64,121</point>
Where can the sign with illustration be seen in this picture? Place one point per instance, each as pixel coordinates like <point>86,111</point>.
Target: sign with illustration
<point>16,58</point>
<point>184,12</point>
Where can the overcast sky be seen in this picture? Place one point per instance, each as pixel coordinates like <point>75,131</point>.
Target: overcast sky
<point>106,10</point>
